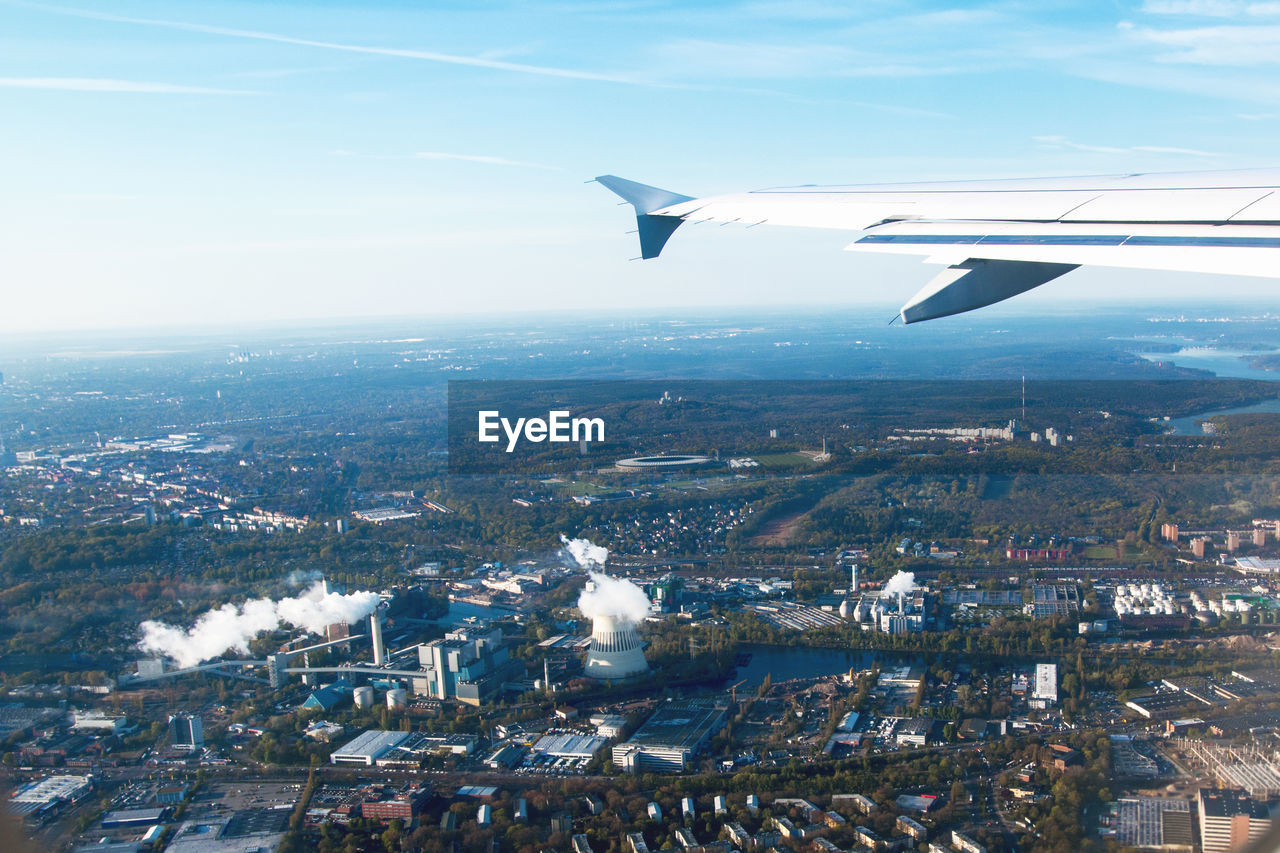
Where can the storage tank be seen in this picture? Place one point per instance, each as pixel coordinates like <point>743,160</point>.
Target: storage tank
<point>397,697</point>
<point>363,697</point>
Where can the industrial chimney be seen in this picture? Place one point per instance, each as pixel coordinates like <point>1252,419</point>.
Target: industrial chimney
<point>375,629</point>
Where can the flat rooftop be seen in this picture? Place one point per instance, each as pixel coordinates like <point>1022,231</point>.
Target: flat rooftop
<point>371,745</point>
<point>679,725</point>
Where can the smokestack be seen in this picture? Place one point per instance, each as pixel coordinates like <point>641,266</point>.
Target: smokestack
<point>900,603</point>
<point>853,588</point>
<point>375,628</point>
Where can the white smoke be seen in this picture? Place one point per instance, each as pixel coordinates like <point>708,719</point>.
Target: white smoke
<point>313,611</point>
<point>298,577</point>
<point>231,627</point>
<point>583,553</point>
<point>901,584</point>
<point>616,597</point>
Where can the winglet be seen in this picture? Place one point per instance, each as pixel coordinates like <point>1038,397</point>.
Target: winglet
<point>654,230</point>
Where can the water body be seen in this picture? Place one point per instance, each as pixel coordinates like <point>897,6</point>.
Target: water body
<point>465,613</point>
<point>1190,425</point>
<point>1232,364</point>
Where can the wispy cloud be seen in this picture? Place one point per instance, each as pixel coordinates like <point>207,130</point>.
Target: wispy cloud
<point>276,73</point>
<point>738,60</point>
<point>97,196</point>
<point>1210,8</point>
<point>402,53</point>
<point>482,159</point>
<point>1223,45</point>
<point>801,10</point>
<point>107,84</point>
<point>1063,142</point>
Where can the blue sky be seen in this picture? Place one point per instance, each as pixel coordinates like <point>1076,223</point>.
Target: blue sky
<point>177,163</point>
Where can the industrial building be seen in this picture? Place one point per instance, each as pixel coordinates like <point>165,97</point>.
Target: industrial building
<point>1045,692</point>
<point>133,818</point>
<point>45,797</point>
<point>257,829</point>
<point>1049,600</point>
<point>914,731</point>
<point>608,725</point>
<point>368,747</point>
<point>1154,822</point>
<point>328,697</point>
<point>97,722</point>
<point>470,665</point>
<point>886,613</point>
<point>669,739</point>
<point>569,745</point>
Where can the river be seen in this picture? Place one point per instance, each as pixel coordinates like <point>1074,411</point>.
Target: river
<point>464,612</point>
<point>1231,364</point>
<point>1190,425</point>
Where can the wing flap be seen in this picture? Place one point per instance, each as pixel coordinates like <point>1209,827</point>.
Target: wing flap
<point>976,283</point>
<point>1218,249</point>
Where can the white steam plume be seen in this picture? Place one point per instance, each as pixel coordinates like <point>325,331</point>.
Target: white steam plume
<point>616,597</point>
<point>231,627</point>
<point>583,553</point>
<point>298,577</point>
<point>901,584</point>
<point>313,611</point>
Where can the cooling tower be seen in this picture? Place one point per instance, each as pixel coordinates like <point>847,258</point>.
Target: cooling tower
<point>615,650</point>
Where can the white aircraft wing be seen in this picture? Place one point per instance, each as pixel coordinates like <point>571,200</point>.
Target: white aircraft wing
<point>1000,238</point>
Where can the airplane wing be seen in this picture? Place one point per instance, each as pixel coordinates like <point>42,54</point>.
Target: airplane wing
<point>1000,238</point>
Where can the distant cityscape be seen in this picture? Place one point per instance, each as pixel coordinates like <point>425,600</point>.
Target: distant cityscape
<point>288,626</point>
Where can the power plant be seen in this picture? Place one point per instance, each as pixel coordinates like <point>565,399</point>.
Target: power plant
<point>615,650</point>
